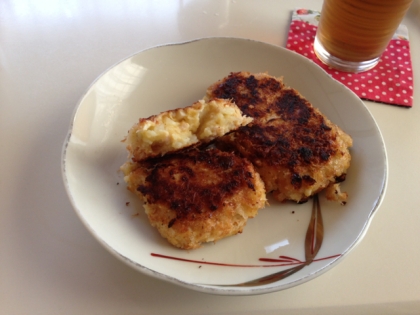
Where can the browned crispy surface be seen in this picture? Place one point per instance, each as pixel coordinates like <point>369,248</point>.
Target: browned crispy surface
<point>195,196</point>
<point>295,148</point>
<point>254,94</point>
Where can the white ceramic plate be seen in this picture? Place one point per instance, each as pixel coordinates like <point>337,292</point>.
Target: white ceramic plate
<point>173,76</point>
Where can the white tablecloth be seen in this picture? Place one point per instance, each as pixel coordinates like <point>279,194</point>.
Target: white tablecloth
<point>50,52</point>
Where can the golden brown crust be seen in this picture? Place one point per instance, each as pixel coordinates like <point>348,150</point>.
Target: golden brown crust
<point>196,196</point>
<point>252,93</point>
<point>295,148</point>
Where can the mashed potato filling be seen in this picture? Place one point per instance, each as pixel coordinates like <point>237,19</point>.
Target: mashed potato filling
<point>175,129</point>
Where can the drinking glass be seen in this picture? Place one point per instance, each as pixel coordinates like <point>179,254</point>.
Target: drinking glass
<point>353,34</point>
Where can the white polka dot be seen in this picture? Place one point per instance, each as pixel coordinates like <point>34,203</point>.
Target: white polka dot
<point>392,46</point>
<point>377,78</point>
<point>391,89</point>
<point>391,99</point>
<point>363,85</point>
<point>410,78</point>
<point>405,101</point>
<point>390,79</point>
<point>377,97</point>
<point>397,95</point>
<point>355,80</point>
<point>403,82</point>
<point>397,76</point>
<point>370,81</point>
<point>383,93</point>
<point>410,87</point>
<point>404,91</point>
<point>364,94</point>
<point>377,87</point>
<point>383,83</point>
<point>305,54</point>
<point>349,75</point>
<point>370,90</point>
<point>356,88</point>
<point>349,83</point>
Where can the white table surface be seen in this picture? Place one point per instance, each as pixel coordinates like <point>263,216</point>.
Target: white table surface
<point>50,52</point>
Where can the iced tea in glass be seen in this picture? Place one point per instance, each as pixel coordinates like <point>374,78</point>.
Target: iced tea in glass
<point>353,34</point>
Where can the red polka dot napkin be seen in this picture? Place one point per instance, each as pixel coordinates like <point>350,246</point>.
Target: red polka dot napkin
<point>390,82</point>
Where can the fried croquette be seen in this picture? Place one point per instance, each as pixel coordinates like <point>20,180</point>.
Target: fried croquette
<point>183,127</point>
<point>198,196</point>
<point>297,151</point>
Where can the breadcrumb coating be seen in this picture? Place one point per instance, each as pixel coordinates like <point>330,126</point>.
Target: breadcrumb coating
<point>198,196</point>
<point>175,129</point>
<point>297,151</point>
